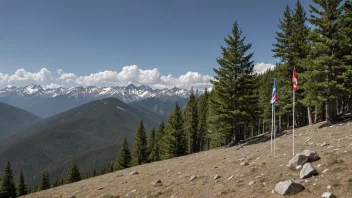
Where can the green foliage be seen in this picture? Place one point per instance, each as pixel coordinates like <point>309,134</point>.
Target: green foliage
<point>191,123</point>
<point>73,174</point>
<point>44,181</point>
<point>152,152</point>
<point>175,140</point>
<point>8,188</point>
<point>140,152</point>
<point>160,133</point>
<point>123,159</point>
<point>22,187</point>
<point>202,120</point>
<point>234,84</point>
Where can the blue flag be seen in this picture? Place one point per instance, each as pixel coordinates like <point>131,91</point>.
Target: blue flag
<point>273,94</point>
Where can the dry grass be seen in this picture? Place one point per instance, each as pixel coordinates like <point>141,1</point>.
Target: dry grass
<point>263,168</point>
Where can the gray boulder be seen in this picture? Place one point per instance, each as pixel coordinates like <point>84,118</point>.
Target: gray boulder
<point>328,195</point>
<point>298,159</point>
<point>312,155</point>
<point>307,171</point>
<point>289,187</point>
<point>157,183</point>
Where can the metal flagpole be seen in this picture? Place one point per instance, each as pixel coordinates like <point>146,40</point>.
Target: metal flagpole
<point>272,126</point>
<point>274,132</point>
<point>293,124</point>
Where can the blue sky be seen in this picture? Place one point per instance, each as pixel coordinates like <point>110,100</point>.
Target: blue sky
<point>84,37</point>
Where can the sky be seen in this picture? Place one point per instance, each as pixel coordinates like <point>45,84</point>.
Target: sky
<point>117,42</point>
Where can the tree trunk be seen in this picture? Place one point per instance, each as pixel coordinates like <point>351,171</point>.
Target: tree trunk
<point>310,122</point>
<point>330,111</point>
<point>259,126</point>
<point>316,113</point>
<point>280,123</point>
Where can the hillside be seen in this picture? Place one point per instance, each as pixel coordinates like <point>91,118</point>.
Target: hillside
<point>13,118</point>
<point>81,132</point>
<point>265,170</point>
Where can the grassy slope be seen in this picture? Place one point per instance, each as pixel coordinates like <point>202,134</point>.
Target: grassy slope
<point>265,170</point>
<point>13,118</point>
<point>87,128</point>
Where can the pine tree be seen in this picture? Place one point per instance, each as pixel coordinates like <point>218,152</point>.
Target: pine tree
<point>73,174</point>
<point>202,120</point>
<point>160,133</point>
<point>8,188</point>
<point>44,181</point>
<point>175,140</point>
<point>22,187</point>
<point>94,172</point>
<point>234,84</point>
<point>139,153</point>
<point>282,48</point>
<point>326,43</point>
<point>123,159</point>
<point>152,155</point>
<point>191,123</point>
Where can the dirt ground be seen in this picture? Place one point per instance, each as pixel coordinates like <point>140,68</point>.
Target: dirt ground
<point>264,169</point>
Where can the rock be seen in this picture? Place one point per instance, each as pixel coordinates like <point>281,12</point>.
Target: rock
<point>329,187</point>
<point>312,155</point>
<point>192,178</point>
<point>179,173</point>
<point>217,177</point>
<point>324,171</point>
<point>319,165</point>
<point>299,167</point>
<point>101,188</point>
<point>157,183</point>
<point>244,163</point>
<point>134,173</point>
<point>251,183</point>
<point>231,177</point>
<point>289,187</point>
<point>328,195</point>
<point>307,171</point>
<point>298,159</point>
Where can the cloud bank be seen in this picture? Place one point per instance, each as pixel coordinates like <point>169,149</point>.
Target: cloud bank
<point>128,74</point>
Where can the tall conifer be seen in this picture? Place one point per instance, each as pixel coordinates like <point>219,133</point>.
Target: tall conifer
<point>22,187</point>
<point>73,174</point>
<point>123,159</point>
<point>8,188</point>
<point>140,152</point>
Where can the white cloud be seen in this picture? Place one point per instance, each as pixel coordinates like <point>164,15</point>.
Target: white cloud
<point>128,74</point>
<point>68,77</point>
<point>53,86</point>
<point>262,67</point>
<point>59,71</point>
<point>21,77</point>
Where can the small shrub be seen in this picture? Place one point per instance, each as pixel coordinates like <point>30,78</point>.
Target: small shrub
<point>335,183</point>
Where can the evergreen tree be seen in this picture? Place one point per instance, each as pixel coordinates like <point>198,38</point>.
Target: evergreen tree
<point>8,188</point>
<point>139,153</point>
<point>158,140</point>
<point>191,123</point>
<point>282,48</point>
<point>202,120</point>
<point>326,44</point>
<point>44,181</point>
<point>22,187</point>
<point>234,83</point>
<point>73,174</point>
<point>174,141</point>
<point>123,159</point>
<point>152,155</point>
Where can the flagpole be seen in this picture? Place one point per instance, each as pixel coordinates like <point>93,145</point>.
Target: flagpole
<point>272,127</point>
<point>293,125</point>
<point>274,132</point>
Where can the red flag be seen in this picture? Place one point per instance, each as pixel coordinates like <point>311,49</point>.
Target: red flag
<point>294,79</point>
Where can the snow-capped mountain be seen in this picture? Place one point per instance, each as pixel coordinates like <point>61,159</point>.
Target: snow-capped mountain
<point>48,102</point>
<point>127,94</point>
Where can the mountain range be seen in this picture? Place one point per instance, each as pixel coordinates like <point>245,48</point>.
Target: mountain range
<point>91,133</point>
<point>48,102</point>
